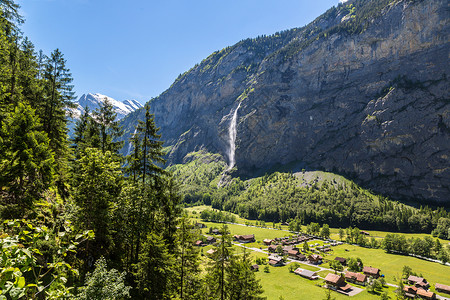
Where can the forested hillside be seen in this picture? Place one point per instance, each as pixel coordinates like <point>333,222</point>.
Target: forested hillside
<point>75,223</point>
<point>306,196</point>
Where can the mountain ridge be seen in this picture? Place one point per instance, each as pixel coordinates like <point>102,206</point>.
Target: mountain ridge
<point>361,91</point>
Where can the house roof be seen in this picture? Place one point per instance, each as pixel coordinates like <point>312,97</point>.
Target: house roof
<point>345,287</point>
<point>340,259</point>
<point>407,288</point>
<point>293,252</point>
<point>422,292</point>
<point>356,276</point>
<point>315,256</point>
<point>442,287</point>
<point>248,236</point>
<point>308,273</point>
<point>416,279</point>
<point>370,270</point>
<point>333,278</point>
<point>275,258</point>
<point>197,243</point>
<point>274,262</point>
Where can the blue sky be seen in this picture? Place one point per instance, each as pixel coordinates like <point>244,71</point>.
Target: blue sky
<point>136,49</point>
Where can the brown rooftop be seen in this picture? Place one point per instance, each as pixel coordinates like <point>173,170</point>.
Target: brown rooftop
<point>423,293</point>
<point>371,271</point>
<point>442,287</point>
<point>333,278</point>
<point>356,276</point>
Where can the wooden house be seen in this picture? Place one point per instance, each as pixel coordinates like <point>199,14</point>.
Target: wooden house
<point>373,272</point>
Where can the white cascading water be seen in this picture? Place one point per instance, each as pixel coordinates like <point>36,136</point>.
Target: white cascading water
<point>232,131</point>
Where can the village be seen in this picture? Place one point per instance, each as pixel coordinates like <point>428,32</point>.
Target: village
<point>311,258</point>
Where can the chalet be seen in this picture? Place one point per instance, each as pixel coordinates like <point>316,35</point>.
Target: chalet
<point>373,272</point>
<point>215,231</point>
<point>199,243</point>
<point>293,253</point>
<point>301,257</point>
<point>418,282</point>
<point>249,238</point>
<point>315,259</point>
<point>342,260</point>
<point>311,275</point>
<point>425,294</point>
<point>336,282</point>
<point>364,232</point>
<point>254,268</point>
<point>286,249</point>
<point>267,242</point>
<point>272,248</point>
<point>410,291</point>
<point>442,288</point>
<point>357,278</point>
<point>210,240</point>
<point>275,261</point>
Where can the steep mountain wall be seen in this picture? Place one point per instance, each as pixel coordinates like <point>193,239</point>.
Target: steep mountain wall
<point>362,91</point>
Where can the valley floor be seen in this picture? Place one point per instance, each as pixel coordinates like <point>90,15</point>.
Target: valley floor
<point>280,281</point>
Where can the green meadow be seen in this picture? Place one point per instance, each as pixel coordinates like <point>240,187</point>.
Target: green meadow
<point>280,282</point>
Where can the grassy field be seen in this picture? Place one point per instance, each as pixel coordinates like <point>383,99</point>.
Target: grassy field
<point>280,282</point>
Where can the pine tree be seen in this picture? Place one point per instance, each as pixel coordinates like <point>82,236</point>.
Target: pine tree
<point>187,261</point>
<point>80,133</point>
<point>109,127</point>
<point>242,282</point>
<point>152,148</point>
<point>155,269</point>
<point>97,185</point>
<point>27,163</point>
<point>57,98</point>
<point>220,260</point>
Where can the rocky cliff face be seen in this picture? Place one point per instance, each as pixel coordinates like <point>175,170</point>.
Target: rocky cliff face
<point>362,91</point>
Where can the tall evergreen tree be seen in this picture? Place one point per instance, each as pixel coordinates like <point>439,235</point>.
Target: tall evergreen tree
<point>27,163</point>
<point>187,260</point>
<point>215,287</point>
<point>109,127</point>
<point>155,270</point>
<point>97,186</point>
<point>57,98</point>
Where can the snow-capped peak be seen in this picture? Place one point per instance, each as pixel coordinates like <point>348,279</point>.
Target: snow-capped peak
<point>93,101</point>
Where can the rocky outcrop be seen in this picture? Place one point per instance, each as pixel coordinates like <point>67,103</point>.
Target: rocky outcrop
<point>362,91</point>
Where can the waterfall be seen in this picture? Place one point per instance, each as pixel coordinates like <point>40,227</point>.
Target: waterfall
<point>232,131</point>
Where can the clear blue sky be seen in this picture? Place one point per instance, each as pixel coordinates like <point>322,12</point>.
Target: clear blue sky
<point>136,49</point>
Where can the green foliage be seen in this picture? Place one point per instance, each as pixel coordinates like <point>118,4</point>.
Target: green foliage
<point>336,265</point>
<point>281,196</point>
<point>355,264</point>
<point>97,185</point>
<point>23,273</point>
<point>108,127</point>
<point>102,284</point>
<point>26,161</point>
<point>155,269</point>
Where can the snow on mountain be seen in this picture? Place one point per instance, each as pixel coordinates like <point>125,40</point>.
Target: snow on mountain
<point>93,101</point>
